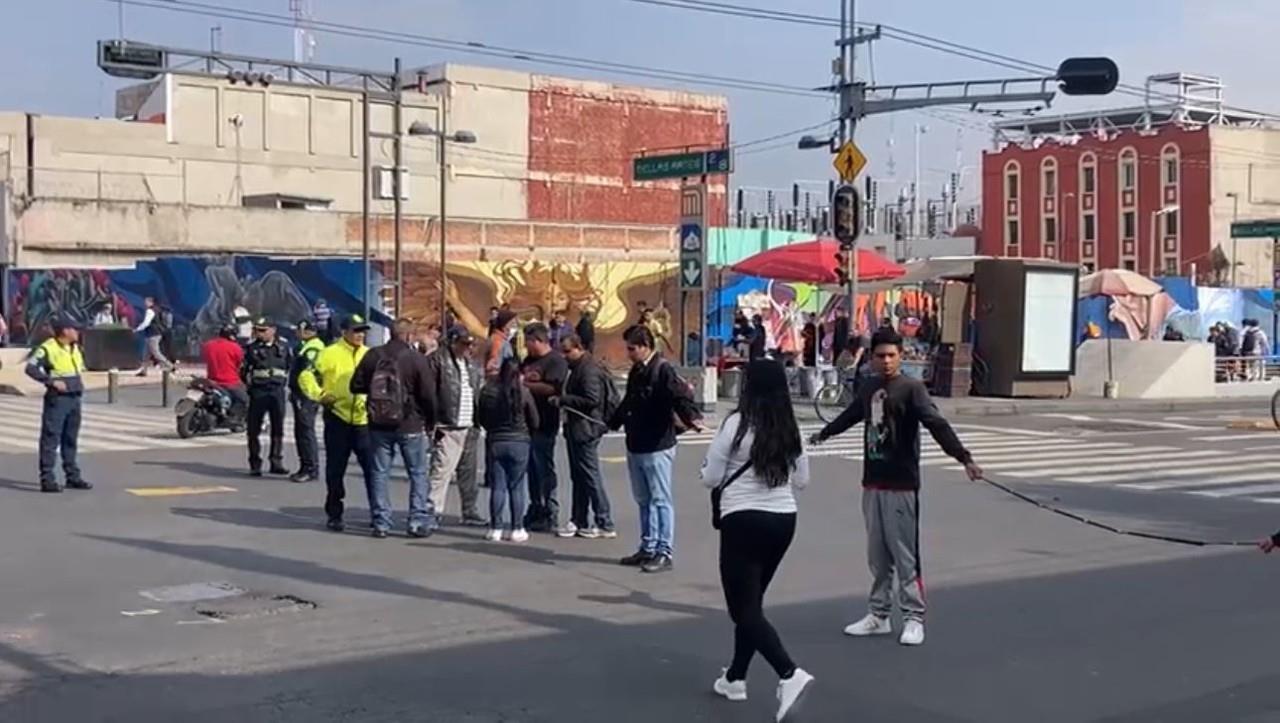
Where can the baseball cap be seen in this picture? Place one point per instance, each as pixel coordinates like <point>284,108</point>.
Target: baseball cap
<point>63,321</point>
<point>305,325</point>
<point>263,322</point>
<point>460,334</point>
<point>355,322</point>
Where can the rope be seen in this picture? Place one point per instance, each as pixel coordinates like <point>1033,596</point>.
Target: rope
<point>1177,540</point>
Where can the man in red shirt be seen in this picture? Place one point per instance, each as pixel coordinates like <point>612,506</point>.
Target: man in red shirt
<point>223,357</point>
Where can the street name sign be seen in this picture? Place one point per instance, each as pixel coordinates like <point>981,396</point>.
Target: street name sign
<point>1266,228</point>
<point>683,165</point>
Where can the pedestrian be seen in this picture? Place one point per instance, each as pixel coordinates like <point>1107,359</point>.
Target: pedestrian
<point>586,330</point>
<point>105,316</point>
<point>323,316</point>
<point>545,371</point>
<point>840,332</point>
<point>756,461</point>
<point>346,421</point>
<point>493,319</point>
<point>741,334</point>
<point>430,342</point>
<point>809,349</point>
<point>223,360</point>
<point>304,409</point>
<point>894,407</point>
<point>655,398</point>
<point>267,363</point>
<point>455,382</point>
<point>501,344</point>
<point>244,325</point>
<point>153,333</point>
<point>642,312</point>
<point>508,414</point>
<point>559,328</point>
<point>58,364</point>
<point>589,399</point>
<point>401,405</point>
<point>759,345</point>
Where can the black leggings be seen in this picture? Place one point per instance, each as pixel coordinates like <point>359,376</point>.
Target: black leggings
<point>752,544</point>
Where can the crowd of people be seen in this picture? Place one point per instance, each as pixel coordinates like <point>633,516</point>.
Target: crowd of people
<point>1241,353</point>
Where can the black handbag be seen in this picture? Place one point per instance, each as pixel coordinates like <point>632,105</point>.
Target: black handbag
<point>718,491</point>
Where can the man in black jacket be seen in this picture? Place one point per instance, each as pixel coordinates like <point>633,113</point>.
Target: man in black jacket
<point>455,382</point>
<point>586,399</point>
<point>544,374</point>
<point>401,409</point>
<point>656,396</point>
<point>894,407</point>
<point>586,330</point>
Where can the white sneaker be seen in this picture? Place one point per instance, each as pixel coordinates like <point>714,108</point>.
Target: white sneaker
<point>519,535</point>
<point>736,690</point>
<point>791,692</point>
<point>569,530</point>
<point>494,535</point>
<point>870,625</point>
<point>912,633</point>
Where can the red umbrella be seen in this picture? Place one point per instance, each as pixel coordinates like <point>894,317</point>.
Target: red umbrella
<point>814,262</point>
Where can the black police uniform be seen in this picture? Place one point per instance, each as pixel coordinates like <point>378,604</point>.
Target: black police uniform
<point>266,373</point>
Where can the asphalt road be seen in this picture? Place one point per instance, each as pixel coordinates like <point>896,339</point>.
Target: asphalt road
<point>1032,616</point>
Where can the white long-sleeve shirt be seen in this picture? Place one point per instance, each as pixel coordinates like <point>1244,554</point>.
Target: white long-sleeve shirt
<point>147,319</point>
<point>747,492</point>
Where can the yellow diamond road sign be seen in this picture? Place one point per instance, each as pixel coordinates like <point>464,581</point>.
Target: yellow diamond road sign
<point>849,162</point>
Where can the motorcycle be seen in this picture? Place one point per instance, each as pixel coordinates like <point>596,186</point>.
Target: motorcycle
<point>205,409</point>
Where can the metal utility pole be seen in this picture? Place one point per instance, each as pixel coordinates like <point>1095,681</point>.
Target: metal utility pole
<point>398,190</point>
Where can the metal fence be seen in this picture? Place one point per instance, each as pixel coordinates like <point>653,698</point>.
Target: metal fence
<point>1235,369</point>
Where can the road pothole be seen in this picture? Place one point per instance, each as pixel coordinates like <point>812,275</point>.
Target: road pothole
<point>253,606</point>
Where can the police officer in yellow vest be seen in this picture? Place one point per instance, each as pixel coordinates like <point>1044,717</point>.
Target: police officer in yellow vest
<point>304,410</point>
<point>267,362</point>
<point>58,364</point>
<point>346,421</point>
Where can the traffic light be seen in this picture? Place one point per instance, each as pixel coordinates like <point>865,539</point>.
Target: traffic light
<point>1088,76</point>
<point>846,220</point>
<point>842,266</point>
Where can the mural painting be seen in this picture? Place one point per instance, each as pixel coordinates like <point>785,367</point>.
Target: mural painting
<point>201,292</point>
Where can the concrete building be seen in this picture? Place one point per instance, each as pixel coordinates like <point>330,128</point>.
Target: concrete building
<point>187,172</point>
<point>1152,188</point>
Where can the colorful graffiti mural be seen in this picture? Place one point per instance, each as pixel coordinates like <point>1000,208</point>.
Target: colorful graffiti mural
<point>201,292</point>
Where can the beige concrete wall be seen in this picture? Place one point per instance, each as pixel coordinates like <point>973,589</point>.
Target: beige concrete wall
<point>1145,369</point>
<point>1245,161</point>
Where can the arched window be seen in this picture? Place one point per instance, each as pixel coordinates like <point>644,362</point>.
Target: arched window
<point>1088,209</point>
<point>1012,209</point>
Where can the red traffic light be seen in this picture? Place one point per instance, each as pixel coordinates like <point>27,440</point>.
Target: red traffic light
<point>1088,76</point>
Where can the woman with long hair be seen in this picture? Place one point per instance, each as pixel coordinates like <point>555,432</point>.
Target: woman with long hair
<point>507,414</point>
<point>757,460</point>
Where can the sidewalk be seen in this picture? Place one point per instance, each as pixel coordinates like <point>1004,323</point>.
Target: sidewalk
<point>992,407</point>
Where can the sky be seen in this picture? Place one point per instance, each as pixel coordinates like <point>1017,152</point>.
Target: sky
<point>48,56</point>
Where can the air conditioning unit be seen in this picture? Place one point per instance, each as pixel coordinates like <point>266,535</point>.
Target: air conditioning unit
<point>384,183</point>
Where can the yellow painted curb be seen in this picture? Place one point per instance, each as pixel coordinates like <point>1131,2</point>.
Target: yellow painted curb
<point>177,491</point>
<point>613,460</point>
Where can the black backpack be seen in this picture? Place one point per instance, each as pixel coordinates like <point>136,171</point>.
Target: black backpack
<point>386,401</point>
<point>1249,343</point>
<point>612,399</point>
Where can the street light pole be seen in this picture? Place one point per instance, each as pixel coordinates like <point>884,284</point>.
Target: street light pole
<point>443,139</point>
<point>1155,223</point>
<point>398,186</point>
<point>1235,245</point>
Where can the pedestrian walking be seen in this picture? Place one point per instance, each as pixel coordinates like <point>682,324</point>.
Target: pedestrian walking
<point>559,328</point>
<point>152,331</point>
<point>655,398</point>
<point>501,342</point>
<point>401,404</point>
<point>508,415</point>
<point>267,363</point>
<point>304,409</point>
<point>759,345</point>
<point>754,464</point>
<point>455,381</point>
<point>586,330</point>
<point>589,399</point>
<point>346,421</point>
<point>58,364</point>
<point>223,362</point>
<point>324,320</point>
<point>545,371</point>
<point>894,407</point>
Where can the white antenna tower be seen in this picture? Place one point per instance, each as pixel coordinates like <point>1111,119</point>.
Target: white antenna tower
<point>304,42</point>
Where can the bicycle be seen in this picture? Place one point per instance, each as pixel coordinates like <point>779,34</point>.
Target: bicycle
<point>833,398</point>
<point>1275,408</point>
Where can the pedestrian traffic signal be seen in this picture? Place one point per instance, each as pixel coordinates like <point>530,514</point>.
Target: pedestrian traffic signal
<point>1088,76</point>
<point>842,266</point>
<point>846,219</point>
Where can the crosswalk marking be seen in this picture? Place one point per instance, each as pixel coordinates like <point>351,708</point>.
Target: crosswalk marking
<point>1230,437</point>
<point>94,432</point>
<point>1221,480</point>
<point>1240,491</point>
<point>1198,467</point>
<point>1121,452</point>
<point>1126,466</point>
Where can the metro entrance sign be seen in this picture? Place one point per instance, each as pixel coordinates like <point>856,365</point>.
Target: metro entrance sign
<point>1267,228</point>
<point>682,165</point>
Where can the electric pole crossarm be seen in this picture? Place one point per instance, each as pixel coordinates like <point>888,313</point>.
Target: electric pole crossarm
<point>889,105</point>
<point>861,38</point>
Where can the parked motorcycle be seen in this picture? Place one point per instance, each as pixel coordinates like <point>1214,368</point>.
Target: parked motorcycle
<point>205,409</point>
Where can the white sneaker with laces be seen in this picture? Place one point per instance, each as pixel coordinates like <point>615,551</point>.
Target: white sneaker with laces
<point>493,535</point>
<point>912,633</point>
<point>790,693</point>
<point>733,690</point>
<point>569,530</point>
<point>519,535</point>
<point>870,625</point>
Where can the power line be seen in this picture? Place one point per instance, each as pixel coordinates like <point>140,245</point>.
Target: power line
<point>474,47</point>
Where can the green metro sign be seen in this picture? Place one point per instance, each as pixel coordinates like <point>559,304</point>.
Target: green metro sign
<point>682,165</point>
<point>1268,228</point>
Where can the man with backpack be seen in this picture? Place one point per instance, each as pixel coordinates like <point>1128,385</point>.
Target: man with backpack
<point>152,329</point>
<point>589,399</point>
<point>401,407</point>
<point>455,381</point>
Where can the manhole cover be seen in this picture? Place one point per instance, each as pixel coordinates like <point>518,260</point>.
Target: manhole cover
<point>254,605</point>
<point>193,592</point>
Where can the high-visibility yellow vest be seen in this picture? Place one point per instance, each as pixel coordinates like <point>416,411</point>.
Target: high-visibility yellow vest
<point>52,361</point>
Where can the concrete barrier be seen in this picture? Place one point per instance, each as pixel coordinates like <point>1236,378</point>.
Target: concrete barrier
<point>1145,369</point>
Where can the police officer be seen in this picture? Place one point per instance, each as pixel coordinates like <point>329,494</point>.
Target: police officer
<point>267,363</point>
<point>57,364</point>
<point>304,410</point>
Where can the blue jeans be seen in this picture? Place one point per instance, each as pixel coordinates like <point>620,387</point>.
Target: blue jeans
<point>413,450</point>
<point>651,486</point>
<point>508,465</point>
<point>544,508</point>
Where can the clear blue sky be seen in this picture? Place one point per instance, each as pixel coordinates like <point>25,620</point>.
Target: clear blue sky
<point>47,53</point>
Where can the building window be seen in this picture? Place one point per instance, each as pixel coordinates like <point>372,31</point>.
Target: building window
<point>1130,225</point>
<point>1051,230</point>
<point>1171,223</point>
<point>1128,171</point>
<point>1089,179</point>
<point>1090,227</point>
<point>1011,233</point>
<point>1049,178</point>
<point>1011,184</point>
<point>1170,170</point>
<point>1089,267</point>
<point>1171,267</point>
<point>1128,265</point>
<point>1050,251</point>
